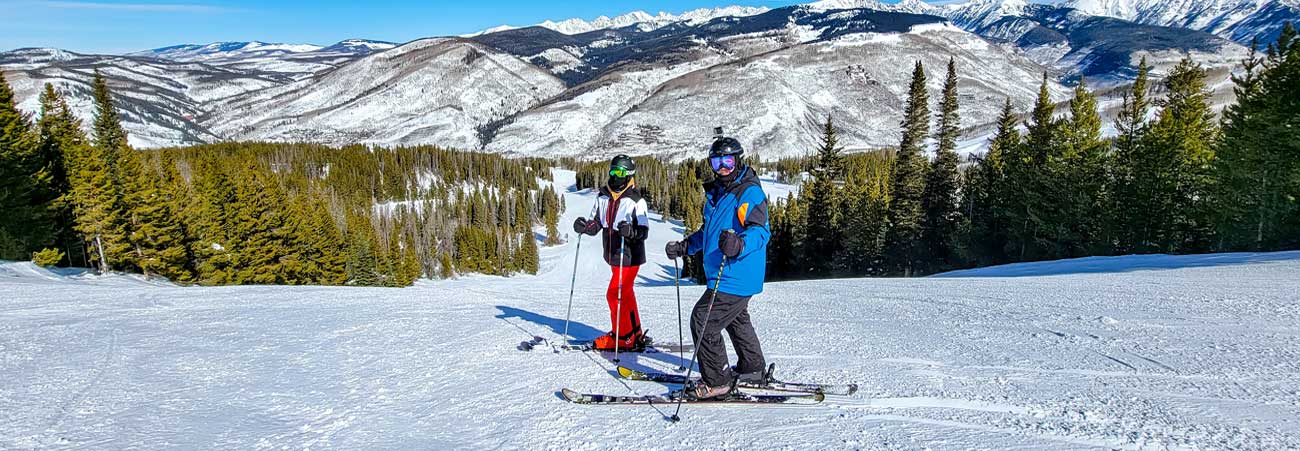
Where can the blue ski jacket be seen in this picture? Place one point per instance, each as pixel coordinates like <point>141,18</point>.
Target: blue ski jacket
<point>740,206</point>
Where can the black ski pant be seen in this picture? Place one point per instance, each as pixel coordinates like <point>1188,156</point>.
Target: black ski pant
<point>732,314</point>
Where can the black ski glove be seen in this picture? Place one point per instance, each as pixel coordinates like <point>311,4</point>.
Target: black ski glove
<point>675,249</point>
<point>731,244</point>
<point>626,230</point>
<point>588,227</point>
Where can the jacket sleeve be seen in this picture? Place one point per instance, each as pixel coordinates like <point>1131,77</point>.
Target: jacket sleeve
<point>641,220</point>
<point>695,242</point>
<point>753,217</point>
<point>595,211</point>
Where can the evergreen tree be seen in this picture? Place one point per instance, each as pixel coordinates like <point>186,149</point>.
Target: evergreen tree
<point>445,269</point>
<point>551,216</point>
<point>159,235</point>
<point>1177,154</point>
<point>266,252</point>
<point>1077,197</point>
<point>526,254</point>
<point>867,197</point>
<point>1257,170</point>
<point>212,220</point>
<point>61,143</point>
<point>987,192</point>
<point>824,205</point>
<point>1132,125</point>
<point>362,264</point>
<point>18,144</point>
<point>941,220</point>
<point>1026,198</point>
<point>324,250</point>
<point>100,194</point>
<point>908,182</point>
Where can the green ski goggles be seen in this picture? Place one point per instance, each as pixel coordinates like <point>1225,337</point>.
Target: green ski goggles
<point>621,172</point>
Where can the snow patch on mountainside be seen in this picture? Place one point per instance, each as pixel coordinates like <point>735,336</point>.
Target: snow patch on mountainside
<point>641,19</point>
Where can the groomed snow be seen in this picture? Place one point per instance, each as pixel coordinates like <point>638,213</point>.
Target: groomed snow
<point>1196,352</point>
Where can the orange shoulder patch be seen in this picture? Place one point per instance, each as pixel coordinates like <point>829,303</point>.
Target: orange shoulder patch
<point>743,212</point>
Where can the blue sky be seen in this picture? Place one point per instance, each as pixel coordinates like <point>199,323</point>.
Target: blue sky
<point>116,26</point>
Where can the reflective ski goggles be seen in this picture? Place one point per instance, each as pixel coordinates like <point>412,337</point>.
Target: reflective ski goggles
<point>621,172</point>
<point>725,161</point>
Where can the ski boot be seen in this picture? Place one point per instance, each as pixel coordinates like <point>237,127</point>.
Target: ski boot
<point>757,377</point>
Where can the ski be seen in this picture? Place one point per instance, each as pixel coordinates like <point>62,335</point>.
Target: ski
<point>734,398</point>
<point>775,385</point>
<point>586,346</point>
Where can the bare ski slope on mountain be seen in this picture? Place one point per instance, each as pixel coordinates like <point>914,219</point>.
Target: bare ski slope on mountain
<point>1130,352</point>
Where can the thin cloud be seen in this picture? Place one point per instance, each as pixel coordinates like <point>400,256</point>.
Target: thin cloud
<point>155,7</point>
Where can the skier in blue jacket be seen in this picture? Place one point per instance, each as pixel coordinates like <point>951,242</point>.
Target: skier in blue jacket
<point>734,241</point>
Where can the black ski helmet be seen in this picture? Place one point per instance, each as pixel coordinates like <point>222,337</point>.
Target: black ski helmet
<point>723,145</point>
<point>624,162</point>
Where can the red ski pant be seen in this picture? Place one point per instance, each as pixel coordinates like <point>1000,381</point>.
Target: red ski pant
<point>630,323</point>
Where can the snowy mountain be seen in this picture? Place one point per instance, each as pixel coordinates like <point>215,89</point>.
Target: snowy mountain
<point>642,20</point>
<point>160,100</point>
<point>428,91</point>
<point>1239,20</point>
<point>636,83</point>
<point>1138,352</point>
<point>224,50</point>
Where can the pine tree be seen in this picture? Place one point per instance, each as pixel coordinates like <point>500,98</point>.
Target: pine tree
<point>908,183</point>
<point>266,252</point>
<point>867,196</point>
<point>527,253</point>
<point>1131,122</point>
<point>101,190</point>
<point>1028,183</point>
<point>1258,209</point>
<point>1078,199</point>
<point>987,192</point>
<point>942,219</point>
<point>362,263</point>
<point>61,143</point>
<point>324,249</point>
<point>18,146</point>
<point>211,219</point>
<point>445,268</point>
<point>824,239</point>
<point>1179,149</point>
<point>551,216</point>
<point>159,235</point>
<point>1041,129</point>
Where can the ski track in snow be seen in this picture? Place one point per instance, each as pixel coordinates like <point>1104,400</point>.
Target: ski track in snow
<point>1129,352</point>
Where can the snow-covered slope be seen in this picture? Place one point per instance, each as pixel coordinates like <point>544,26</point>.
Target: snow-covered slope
<point>160,100</point>
<point>224,50</point>
<point>1194,353</point>
<point>430,91</point>
<point>1239,20</point>
<point>800,86</point>
<point>642,20</point>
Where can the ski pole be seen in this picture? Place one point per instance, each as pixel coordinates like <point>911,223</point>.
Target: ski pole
<point>680,338</point>
<point>708,313</point>
<point>572,281</point>
<point>618,311</point>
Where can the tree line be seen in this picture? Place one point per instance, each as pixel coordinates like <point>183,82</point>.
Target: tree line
<point>1176,179</point>
<point>260,213</point>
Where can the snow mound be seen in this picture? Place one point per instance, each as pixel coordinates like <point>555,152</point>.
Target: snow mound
<point>1127,263</point>
<point>30,273</point>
